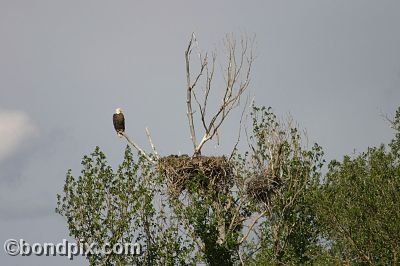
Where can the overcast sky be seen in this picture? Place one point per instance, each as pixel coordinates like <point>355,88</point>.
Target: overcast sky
<point>66,65</point>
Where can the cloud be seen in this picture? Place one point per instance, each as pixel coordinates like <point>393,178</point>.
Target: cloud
<point>16,128</point>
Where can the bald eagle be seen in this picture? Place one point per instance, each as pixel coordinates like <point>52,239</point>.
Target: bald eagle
<point>119,122</point>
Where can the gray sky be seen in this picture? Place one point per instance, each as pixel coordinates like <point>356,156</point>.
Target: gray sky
<point>66,65</point>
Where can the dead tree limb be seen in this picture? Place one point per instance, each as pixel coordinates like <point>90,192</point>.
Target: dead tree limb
<point>236,78</point>
<point>138,148</point>
<point>251,226</point>
<point>190,87</point>
<point>152,144</point>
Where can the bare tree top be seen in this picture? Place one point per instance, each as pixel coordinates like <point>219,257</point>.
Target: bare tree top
<point>236,75</point>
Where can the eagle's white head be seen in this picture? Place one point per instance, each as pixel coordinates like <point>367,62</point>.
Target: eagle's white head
<point>119,111</point>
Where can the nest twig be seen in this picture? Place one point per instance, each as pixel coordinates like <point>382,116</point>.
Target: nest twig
<point>208,172</point>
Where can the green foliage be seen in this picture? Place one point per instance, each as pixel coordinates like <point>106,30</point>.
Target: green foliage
<point>206,217</point>
<point>103,206</point>
<point>358,205</point>
<point>290,229</point>
<point>395,143</point>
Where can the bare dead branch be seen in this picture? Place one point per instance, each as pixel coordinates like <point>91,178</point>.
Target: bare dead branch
<point>240,257</point>
<point>235,219</point>
<point>138,148</point>
<point>152,144</point>
<point>388,120</point>
<point>240,128</point>
<point>236,77</point>
<point>189,93</point>
<point>251,226</point>
<point>191,86</point>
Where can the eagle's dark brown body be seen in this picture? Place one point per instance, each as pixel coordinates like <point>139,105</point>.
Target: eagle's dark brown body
<point>119,123</point>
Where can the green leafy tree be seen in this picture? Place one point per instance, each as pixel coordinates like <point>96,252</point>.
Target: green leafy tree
<point>358,205</point>
<point>281,174</point>
<point>102,206</point>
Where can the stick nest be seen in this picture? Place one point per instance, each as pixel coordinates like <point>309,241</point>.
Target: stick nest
<point>262,187</point>
<point>207,173</point>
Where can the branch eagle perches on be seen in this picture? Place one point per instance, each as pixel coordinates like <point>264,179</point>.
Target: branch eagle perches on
<point>140,150</point>
<point>236,76</point>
